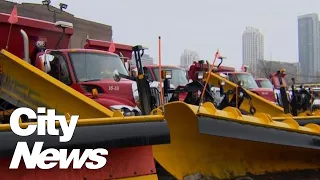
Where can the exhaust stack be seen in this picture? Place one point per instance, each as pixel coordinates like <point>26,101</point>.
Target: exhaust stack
<point>25,45</point>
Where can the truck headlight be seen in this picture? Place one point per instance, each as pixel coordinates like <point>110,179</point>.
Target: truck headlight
<point>127,110</point>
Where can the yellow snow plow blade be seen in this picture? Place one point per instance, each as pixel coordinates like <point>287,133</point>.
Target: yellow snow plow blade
<point>113,132</point>
<point>225,144</point>
<point>25,85</point>
<point>264,106</point>
<point>261,104</point>
<point>302,118</point>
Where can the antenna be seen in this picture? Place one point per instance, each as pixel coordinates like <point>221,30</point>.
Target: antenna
<point>160,76</point>
<point>63,25</point>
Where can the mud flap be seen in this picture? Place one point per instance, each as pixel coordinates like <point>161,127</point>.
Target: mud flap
<point>220,152</point>
<point>95,136</point>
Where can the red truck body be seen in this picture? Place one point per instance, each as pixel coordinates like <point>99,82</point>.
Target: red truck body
<point>122,162</point>
<point>235,76</point>
<point>36,30</point>
<point>126,50</point>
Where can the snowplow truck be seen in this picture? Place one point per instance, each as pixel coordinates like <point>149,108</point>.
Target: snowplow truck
<point>38,70</point>
<point>224,143</point>
<point>202,125</point>
<point>211,143</point>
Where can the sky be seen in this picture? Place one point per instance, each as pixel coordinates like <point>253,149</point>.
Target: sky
<point>203,25</point>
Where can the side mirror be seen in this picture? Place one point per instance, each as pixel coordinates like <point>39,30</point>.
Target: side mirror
<point>116,76</point>
<point>240,83</point>
<point>222,83</point>
<point>45,60</point>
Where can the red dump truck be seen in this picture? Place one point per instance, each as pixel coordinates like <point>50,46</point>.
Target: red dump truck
<point>90,73</point>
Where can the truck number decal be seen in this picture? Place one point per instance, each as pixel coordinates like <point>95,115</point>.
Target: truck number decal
<point>114,88</point>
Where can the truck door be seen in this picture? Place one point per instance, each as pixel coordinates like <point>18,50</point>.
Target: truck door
<point>59,68</point>
<point>232,78</point>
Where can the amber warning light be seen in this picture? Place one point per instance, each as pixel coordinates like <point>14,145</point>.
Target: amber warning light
<point>47,123</point>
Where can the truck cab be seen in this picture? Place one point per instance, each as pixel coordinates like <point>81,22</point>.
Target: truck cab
<point>264,83</point>
<point>91,73</point>
<point>250,84</point>
<point>178,76</point>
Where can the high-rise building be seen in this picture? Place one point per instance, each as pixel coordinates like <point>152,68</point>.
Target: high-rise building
<point>308,40</point>
<point>187,58</point>
<point>146,59</point>
<point>252,48</point>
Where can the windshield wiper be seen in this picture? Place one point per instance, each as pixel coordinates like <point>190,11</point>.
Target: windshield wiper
<point>92,80</point>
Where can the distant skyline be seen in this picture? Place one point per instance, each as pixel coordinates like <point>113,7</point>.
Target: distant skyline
<point>309,40</point>
<point>203,26</point>
<point>252,47</point>
<point>187,58</point>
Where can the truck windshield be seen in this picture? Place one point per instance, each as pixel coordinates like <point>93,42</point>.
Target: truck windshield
<point>91,66</point>
<point>248,81</point>
<point>265,84</point>
<point>178,76</point>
